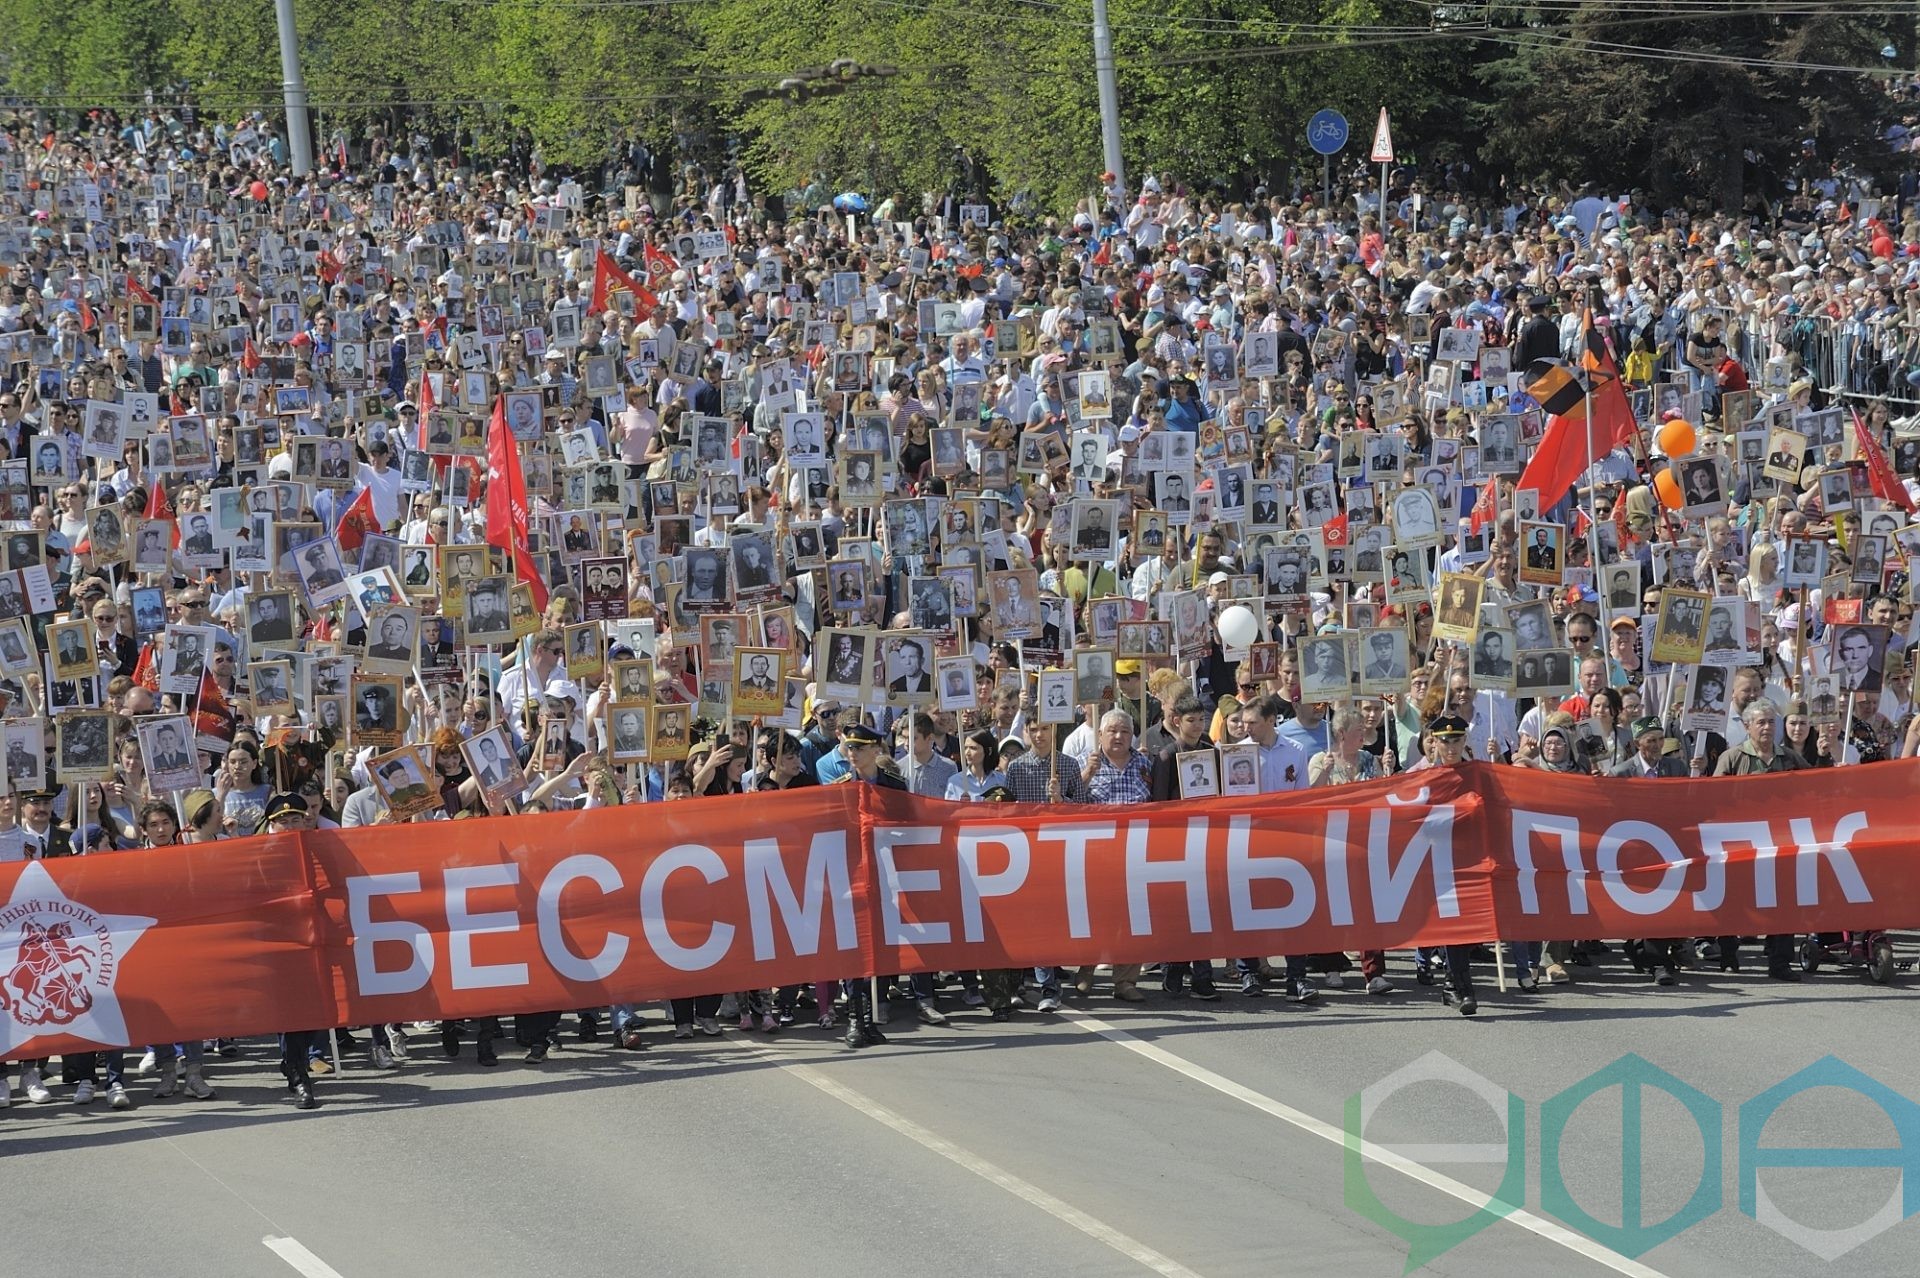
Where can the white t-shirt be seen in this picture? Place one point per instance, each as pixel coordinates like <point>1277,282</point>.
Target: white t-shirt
<point>1145,227</point>
<point>386,492</point>
<point>520,682</point>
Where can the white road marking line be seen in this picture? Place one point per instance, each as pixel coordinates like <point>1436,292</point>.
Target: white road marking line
<point>294,1253</point>
<point>1380,1154</point>
<point>1101,1232</point>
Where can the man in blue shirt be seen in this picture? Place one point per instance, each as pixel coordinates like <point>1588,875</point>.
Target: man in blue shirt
<point>1185,411</point>
<point>820,749</point>
<point>1308,728</point>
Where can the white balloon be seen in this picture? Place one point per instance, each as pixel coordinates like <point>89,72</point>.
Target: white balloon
<point>1238,627</point>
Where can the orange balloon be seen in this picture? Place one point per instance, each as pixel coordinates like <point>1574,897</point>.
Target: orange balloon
<point>1667,489</point>
<point>1677,438</point>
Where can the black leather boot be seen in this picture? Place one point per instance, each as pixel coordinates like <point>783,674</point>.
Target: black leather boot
<point>856,1013</point>
<point>483,1036</point>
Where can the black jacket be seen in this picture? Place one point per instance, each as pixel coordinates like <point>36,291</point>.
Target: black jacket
<point>1164,779</point>
<point>1539,339</point>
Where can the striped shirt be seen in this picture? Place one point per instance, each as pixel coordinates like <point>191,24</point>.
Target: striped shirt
<point>1027,778</point>
<point>1123,783</point>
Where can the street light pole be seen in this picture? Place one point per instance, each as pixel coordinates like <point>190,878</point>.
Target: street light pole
<point>1109,97</point>
<point>299,138</point>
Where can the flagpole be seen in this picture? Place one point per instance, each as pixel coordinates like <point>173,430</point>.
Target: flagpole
<point>1800,626</point>
<point>1846,730</point>
<point>1593,523</point>
<point>1592,486</point>
<point>1385,237</point>
<point>1586,430</point>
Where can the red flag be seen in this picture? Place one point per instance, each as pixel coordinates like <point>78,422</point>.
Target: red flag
<point>507,502</point>
<point>249,356</point>
<point>160,506</point>
<point>659,261</point>
<point>1334,531</point>
<point>424,405</point>
<point>1586,431</point>
<point>1486,506</point>
<point>86,315</point>
<point>146,670</point>
<point>138,292</point>
<point>355,523</point>
<point>1886,485</point>
<point>607,277</point>
<point>212,716</point>
<point>1840,612</point>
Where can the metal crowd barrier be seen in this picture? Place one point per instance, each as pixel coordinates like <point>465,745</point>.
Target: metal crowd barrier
<point>1849,357</point>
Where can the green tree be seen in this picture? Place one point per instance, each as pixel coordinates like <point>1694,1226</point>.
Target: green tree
<point>1718,105</point>
<point>883,133</point>
<point>103,51</point>
<point>999,95</point>
<point>228,52</point>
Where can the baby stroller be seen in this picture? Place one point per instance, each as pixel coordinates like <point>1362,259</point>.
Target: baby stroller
<point>1871,950</point>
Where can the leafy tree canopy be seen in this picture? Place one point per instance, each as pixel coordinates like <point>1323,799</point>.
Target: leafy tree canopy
<point>1001,93</point>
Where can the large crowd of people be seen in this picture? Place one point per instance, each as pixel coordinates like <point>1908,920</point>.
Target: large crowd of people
<point>406,493</point>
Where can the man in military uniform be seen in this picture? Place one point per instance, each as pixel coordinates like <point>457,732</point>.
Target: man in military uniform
<point>199,538</point>
<point>862,746</point>
<point>1000,985</point>
<point>1446,742</point>
<point>289,812</point>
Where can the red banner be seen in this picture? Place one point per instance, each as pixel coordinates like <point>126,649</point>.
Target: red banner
<point>158,946</point>
<point>507,507</point>
<point>422,922</point>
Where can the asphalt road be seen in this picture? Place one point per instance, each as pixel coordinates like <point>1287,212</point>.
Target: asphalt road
<point>1173,1137</point>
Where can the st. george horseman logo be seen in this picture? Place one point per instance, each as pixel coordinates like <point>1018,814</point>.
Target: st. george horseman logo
<point>59,963</point>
